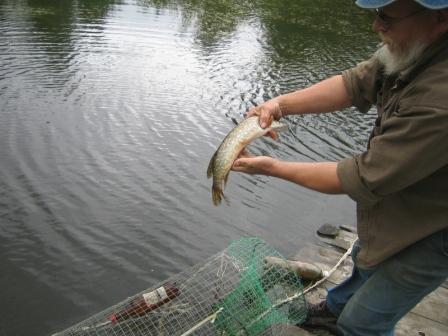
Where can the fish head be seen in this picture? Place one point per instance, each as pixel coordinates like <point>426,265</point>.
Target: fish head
<point>277,126</point>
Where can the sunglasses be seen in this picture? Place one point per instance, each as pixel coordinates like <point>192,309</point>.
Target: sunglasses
<point>389,21</point>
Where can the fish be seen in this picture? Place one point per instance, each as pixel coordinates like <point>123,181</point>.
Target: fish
<point>229,150</point>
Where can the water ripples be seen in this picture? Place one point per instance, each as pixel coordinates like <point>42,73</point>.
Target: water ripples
<point>107,126</point>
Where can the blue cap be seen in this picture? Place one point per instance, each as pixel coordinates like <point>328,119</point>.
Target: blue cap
<point>431,4</point>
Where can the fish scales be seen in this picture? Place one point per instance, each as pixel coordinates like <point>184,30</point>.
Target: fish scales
<point>229,150</point>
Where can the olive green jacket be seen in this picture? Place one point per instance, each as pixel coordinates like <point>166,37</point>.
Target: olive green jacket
<point>400,183</point>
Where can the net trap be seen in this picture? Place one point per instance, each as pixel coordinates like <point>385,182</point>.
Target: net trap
<point>235,292</point>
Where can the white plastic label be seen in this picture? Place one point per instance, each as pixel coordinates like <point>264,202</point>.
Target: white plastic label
<point>155,296</point>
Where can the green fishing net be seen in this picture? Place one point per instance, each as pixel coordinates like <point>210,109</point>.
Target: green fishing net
<point>260,299</point>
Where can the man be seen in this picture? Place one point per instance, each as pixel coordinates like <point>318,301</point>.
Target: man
<point>400,183</point>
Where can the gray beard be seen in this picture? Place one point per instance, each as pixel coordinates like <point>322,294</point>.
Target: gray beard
<point>397,61</point>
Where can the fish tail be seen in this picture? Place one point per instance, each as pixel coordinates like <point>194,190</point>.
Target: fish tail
<point>218,196</point>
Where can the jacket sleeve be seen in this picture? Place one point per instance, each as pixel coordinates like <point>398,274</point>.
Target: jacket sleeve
<point>412,144</point>
<point>362,83</point>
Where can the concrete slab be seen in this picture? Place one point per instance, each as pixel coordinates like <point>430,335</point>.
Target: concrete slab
<point>343,240</point>
<point>313,253</point>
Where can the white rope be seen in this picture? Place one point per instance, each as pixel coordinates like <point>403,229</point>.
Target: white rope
<point>327,275</point>
<point>330,272</point>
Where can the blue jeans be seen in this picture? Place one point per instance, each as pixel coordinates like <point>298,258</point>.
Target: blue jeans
<point>372,301</point>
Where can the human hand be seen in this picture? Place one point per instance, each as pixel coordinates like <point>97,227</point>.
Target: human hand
<point>249,164</point>
<point>267,112</point>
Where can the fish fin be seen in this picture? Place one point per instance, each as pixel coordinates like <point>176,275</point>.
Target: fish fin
<point>272,134</point>
<point>245,153</point>
<point>217,195</point>
<point>211,165</point>
<point>226,178</point>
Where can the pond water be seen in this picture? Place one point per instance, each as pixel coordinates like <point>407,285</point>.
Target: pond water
<point>109,113</point>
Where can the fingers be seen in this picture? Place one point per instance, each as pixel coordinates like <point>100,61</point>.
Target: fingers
<point>248,165</point>
<point>254,111</point>
<point>263,165</point>
<point>267,112</point>
<point>266,118</point>
<point>239,164</point>
<point>264,114</point>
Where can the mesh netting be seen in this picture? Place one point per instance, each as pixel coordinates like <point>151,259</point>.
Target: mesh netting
<point>234,292</point>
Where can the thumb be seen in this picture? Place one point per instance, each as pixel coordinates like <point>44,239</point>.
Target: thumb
<point>265,118</point>
<point>237,163</point>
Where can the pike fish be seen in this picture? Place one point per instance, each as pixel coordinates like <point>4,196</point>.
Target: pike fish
<point>232,145</point>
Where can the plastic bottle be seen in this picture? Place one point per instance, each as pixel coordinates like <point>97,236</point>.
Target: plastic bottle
<point>146,302</point>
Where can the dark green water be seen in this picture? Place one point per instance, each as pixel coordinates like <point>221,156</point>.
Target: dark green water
<point>109,114</point>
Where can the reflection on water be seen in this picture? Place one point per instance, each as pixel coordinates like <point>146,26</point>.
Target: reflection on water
<point>110,111</point>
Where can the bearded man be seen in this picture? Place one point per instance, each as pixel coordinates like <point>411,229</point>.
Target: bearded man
<point>400,183</point>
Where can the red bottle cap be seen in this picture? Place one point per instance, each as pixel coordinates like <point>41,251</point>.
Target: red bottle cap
<point>113,318</point>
